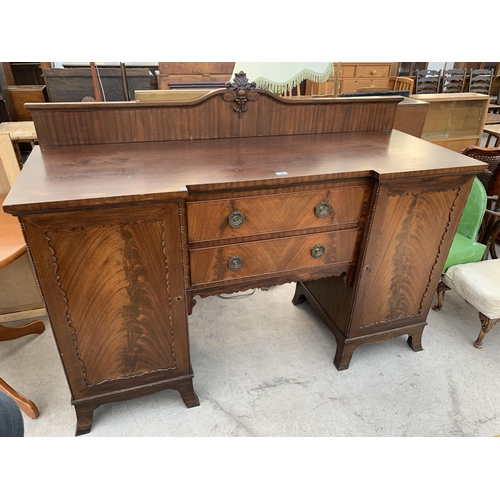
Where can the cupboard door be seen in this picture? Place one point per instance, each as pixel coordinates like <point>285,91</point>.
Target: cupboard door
<point>113,287</point>
<point>412,230</point>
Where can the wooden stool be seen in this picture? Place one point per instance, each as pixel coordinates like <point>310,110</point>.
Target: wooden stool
<point>12,246</point>
<point>479,284</point>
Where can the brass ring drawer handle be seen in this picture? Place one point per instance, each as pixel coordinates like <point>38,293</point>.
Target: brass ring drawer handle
<point>235,263</point>
<point>322,209</point>
<point>317,251</point>
<point>236,219</point>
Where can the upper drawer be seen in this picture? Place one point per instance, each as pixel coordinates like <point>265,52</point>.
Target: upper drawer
<point>235,217</point>
<point>373,71</point>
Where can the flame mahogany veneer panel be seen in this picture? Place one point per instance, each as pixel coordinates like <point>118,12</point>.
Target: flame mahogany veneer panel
<point>407,254</point>
<point>113,286</point>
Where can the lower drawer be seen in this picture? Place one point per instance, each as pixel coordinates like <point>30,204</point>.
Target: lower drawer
<point>230,262</point>
<point>354,85</point>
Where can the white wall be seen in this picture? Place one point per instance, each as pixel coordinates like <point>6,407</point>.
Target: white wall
<point>440,65</point>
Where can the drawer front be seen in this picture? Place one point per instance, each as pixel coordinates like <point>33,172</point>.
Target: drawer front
<point>348,70</point>
<point>252,215</point>
<point>230,262</point>
<point>373,71</point>
<point>355,84</point>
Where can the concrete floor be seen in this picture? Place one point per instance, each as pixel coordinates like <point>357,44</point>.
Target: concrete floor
<point>263,367</point>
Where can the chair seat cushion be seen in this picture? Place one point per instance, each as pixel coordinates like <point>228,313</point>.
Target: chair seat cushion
<point>478,283</point>
<point>464,250</point>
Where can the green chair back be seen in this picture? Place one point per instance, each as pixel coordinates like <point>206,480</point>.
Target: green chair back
<point>474,210</point>
<point>465,248</point>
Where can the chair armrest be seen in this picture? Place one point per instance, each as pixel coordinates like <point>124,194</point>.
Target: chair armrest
<point>493,213</point>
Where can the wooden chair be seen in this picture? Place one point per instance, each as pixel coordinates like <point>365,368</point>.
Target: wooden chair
<point>453,80</point>
<point>428,81</point>
<point>490,178</point>
<point>404,83</point>
<point>467,270</point>
<point>294,92</point>
<point>12,246</point>
<point>478,284</point>
<point>491,156</point>
<point>320,88</point>
<point>480,81</point>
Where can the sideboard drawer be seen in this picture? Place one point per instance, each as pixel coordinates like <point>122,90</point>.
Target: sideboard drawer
<point>230,262</point>
<point>352,85</point>
<point>252,215</point>
<point>373,71</point>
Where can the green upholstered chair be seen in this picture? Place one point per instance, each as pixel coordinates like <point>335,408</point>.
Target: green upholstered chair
<point>467,270</point>
<point>465,247</point>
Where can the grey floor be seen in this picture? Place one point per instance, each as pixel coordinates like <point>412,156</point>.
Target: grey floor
<point>263,367</point>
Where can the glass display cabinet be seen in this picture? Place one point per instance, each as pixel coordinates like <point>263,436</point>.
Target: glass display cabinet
<point>454,121</point>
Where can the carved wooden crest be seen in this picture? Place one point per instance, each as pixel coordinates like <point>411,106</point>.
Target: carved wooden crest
<point>241,92</point>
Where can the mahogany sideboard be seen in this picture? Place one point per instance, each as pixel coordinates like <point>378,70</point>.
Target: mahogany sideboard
<point>130,210</point>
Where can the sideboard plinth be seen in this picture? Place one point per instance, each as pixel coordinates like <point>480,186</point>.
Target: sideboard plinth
<point>85,407</point>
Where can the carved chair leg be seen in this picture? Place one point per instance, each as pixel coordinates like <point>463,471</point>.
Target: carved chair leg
<point>486,325</point>
<point>440,296</point>
<point>16,332</point>
<point>25,404</point>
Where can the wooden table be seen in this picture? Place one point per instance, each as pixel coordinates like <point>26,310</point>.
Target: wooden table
<point>131,210</point>
<point>492,131</point>
<point>19,132</point>
<point>492,118</point>
<point>12,242</point>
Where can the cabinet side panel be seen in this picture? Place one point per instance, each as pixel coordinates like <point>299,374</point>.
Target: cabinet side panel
<point>334,297</point>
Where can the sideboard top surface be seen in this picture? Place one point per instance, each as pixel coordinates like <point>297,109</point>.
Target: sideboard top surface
<point>65,177</point>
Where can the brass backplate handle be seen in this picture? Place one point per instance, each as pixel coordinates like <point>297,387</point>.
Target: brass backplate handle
<point>236,219</point>
<point>317,251</point>
<point>322,209</point>
<point>235,263</point>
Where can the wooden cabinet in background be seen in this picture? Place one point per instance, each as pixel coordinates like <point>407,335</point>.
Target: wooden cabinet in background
<point>353,77</point>
<point>73,84</point>
<point>408,68</point>
<point>177,75</point>
<point>454,121</point>
<point>356,75</point>
<point>22,94</point>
